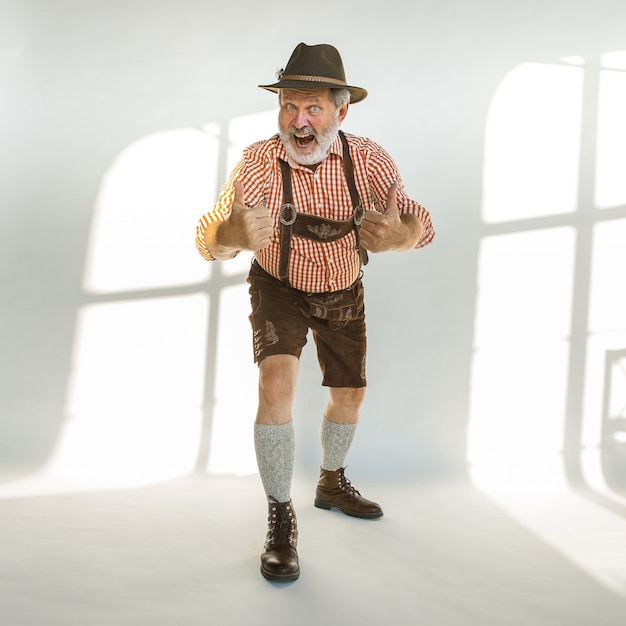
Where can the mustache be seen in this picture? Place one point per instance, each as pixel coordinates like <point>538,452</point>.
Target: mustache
<point>306,130</point>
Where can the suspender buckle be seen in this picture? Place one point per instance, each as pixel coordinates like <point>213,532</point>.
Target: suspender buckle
<point>359,212</point>
<point>287,214</point>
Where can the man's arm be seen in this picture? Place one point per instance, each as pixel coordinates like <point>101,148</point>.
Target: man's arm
<point>216,238</point>
<point>245,229</point>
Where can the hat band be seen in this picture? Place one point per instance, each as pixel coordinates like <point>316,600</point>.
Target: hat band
<point>313,79</point>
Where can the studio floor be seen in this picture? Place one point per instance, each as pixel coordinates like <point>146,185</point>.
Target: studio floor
<point>186,552</point>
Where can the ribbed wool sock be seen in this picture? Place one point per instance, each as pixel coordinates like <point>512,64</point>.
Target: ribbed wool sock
<point>336,440</point>
<point>275,451</point>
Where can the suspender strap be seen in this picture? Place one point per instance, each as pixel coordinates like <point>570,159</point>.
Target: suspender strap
<point>348,168</point>
<point>287,217</point>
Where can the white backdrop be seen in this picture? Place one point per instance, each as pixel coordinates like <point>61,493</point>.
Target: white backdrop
<point>493,431</point>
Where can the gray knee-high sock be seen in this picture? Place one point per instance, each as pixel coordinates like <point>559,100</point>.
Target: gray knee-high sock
<point>336,440</point>
<point>275,451</point>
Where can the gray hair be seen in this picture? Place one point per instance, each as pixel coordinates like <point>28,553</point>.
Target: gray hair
<point>340,96</point>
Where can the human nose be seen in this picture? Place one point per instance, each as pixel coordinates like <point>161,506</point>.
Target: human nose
<point>301,119</point>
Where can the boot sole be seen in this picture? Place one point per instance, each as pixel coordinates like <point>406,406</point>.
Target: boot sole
<point>320,504</point>
<point>280,578</point>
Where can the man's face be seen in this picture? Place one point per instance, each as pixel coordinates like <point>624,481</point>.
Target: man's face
<point>308,123</point>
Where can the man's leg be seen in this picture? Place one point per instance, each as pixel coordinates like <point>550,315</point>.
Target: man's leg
<point>337,432</point>
<point>275,445</point>
<point>339,425</point>
<point>273,428</point>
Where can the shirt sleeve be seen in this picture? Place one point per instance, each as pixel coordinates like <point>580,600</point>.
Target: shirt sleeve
<point>383,172</point>
<point>252,171</point>
<point>220,212</point>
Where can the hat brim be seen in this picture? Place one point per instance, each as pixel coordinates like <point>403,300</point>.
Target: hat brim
<point>356,93</point>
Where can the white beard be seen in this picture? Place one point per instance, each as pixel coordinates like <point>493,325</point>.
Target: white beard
<point>323,141</point>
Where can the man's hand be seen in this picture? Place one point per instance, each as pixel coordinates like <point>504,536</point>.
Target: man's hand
<point>245,229</point>
<point>250,229</point>
<point>381,232</point>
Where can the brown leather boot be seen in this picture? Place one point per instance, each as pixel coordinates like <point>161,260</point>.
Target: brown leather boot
<point>279,562</point>
<point>335,491</point>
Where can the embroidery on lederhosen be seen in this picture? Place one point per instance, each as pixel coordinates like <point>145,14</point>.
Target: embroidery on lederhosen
<point>271,336</point>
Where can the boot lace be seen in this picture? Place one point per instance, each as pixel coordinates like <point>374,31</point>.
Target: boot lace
<point>345,484</point>
<point>281,524</point>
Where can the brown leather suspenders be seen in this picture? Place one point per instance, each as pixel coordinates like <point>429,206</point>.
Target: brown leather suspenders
<point>359,211</point>
<point>313,227</point>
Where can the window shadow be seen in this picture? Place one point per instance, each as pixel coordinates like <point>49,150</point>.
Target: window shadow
<point>550,308</point>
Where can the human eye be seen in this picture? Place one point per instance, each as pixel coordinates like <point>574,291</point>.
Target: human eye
<point>315,109</point>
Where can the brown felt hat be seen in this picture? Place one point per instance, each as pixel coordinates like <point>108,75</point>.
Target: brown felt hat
<point>310,67</point>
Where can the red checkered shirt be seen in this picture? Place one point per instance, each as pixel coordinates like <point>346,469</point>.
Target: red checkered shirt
<point>315,266</point>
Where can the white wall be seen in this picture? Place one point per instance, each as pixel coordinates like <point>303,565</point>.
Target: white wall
<point>103,106</point>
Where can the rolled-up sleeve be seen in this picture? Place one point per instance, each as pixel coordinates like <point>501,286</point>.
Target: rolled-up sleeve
<point>382,172</point>
<point>219,213</point>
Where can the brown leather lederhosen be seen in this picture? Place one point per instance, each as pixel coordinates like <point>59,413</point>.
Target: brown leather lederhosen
<point>293,222</point>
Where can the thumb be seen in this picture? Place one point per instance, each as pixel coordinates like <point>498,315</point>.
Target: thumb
<point>239,195</point>
<point>391,208</point>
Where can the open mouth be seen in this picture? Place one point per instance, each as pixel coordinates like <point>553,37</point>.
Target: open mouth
<point>304,141</point>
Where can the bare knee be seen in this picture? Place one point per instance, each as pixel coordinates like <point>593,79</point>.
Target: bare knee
<point>274,384</point>
<point>277,381</point>
<point>344,404</point>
